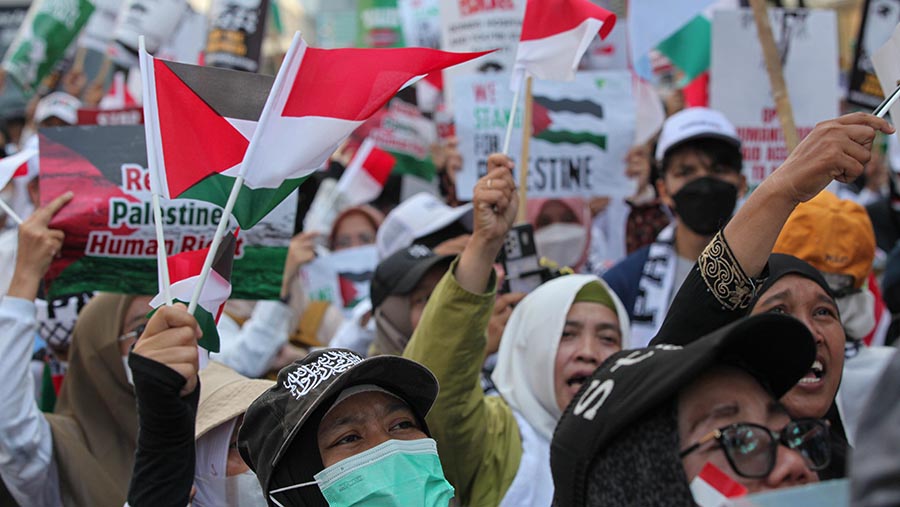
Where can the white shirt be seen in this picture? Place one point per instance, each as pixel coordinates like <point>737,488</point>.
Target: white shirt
<point>26,442</point>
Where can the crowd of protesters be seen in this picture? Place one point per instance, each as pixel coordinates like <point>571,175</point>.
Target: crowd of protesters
<point>707,326</point>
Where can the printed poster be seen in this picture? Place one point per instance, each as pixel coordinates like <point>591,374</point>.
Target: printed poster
<point>110,236</point>
<point>581,132</point>
<point>739,84</point>
<point>878,22</point>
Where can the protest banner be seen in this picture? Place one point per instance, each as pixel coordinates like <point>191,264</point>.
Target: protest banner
<point>879,19</point>
<point>47,31</point>
<point>481,25</point>
<point>379,24</point>
<point>403,131</point>
<point>886,62</point>
<point>582,131</point>
<point>101,26</point>
<point>187,43</point>
<point>236,29</point>
<point>133,115</point>
<point>341,278</point>
<point>336,24</point>
<point>421,22</point>
<point>110,241</point>
<point>156,20</point>
<point>740,87</point>
<point>11,18</point>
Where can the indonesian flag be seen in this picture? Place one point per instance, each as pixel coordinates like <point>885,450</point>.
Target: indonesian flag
<point>184,274</point>
<point>712,487</point>
<point>16,166</point>
<point>364,178</point>
<point>198,123</point>
<point>555,35</point>
<point>118,96</point>
<point>321,96</point>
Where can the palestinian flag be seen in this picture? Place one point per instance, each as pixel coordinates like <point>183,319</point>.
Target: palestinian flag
<point>322,95</point>
<point>184,273</point>
<point>15,166</point>
<point>555,35</point>
<point>566,121</point>
<point>712,487</point>
<point>198,122</point>
<point>364,178</point>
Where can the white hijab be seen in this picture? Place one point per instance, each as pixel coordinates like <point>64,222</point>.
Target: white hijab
<point>525,361</point>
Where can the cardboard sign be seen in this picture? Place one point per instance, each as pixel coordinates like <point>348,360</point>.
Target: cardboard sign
<point>236,33</point>
<point>740,86</point>
<point>379,24</point>
<point>581,133</point>
<point>481,25</point>
<point>110,240</point>
<point>879,19</point>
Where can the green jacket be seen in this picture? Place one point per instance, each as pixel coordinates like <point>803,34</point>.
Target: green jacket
<point>477,435</point>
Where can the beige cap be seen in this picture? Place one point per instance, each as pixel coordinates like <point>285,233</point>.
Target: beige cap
<point>224,395</point>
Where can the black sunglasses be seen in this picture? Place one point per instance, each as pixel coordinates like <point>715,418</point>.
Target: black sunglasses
<point>751,449</point>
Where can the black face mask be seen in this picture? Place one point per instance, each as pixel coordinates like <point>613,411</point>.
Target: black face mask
<point>705,204</point>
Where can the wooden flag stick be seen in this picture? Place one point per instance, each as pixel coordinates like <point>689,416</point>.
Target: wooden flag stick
<point>523,161</point>
<point>776,77</point>
<point>153,165</point>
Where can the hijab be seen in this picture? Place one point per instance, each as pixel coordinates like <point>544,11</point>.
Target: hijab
<point>372,215</point>
<point>781,265</point>
<point>94,425</point>
<point>526,359</point>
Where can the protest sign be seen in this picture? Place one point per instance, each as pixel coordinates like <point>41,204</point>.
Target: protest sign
<point>156,20</point>
<point>379,24</point>
<point>110,239</point>
<point>133,115</point>
<point>341,278</point>
<point>581,133</point>
<point>336,24</point>
<point>99,30</point>
<point>421,21</point>
<point>740,88</point>
<point>236,33</point>
<point>186,45</point>
<point>406,133</point>
<point>886,61</point>
<point>879,19</point>
<point>11,18</point>
<point>481,25</point>
<point>48,29</point>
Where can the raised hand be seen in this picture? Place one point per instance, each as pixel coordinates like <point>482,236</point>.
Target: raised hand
<point>494,206</point>
<point>836,149</point>
<point>38,245</point>
<point>170,338</point>
<point>301,250</point>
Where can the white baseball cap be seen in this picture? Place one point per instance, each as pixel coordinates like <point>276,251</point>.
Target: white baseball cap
<point>695,123</point>
<point>58,104</point>
<point>417,217</point>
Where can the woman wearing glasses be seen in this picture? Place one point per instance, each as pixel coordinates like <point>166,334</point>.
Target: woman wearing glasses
<point>737,275</point>
<point>650,420</point>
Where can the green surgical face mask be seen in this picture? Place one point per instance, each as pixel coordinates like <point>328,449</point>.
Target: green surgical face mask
<point>396,473</point>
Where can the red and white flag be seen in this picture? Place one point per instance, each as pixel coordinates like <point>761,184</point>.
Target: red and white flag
<point>16,166</point>
<point>118,96</point>
<point>555,35</point>
<point>712,487</point>
<point>320,96</point>
<point>364,178</point>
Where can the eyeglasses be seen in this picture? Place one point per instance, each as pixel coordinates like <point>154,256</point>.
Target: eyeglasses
<point>135,334</point>
<point>751,449</point>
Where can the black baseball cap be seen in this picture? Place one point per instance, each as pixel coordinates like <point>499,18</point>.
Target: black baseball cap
<point>402,271</point>
<point>274,420</point>
<point>776,349</point>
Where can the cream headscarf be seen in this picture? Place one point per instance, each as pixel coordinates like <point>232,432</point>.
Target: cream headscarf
<point>525,361</point>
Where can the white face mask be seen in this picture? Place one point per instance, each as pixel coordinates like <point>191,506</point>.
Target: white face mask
<point>561,243</point>
<point>128,374</point>
<point>243,490</point>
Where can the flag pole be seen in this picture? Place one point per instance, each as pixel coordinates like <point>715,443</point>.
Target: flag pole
<point>161,255</point>
<point>776,76</point>
<point>239,181</point>
<point>512,119</point>
<point>10,213</point>
<point>523,162</point>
